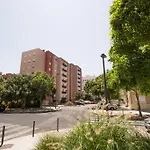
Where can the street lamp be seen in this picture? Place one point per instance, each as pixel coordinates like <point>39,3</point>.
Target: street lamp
<point>105,86</point>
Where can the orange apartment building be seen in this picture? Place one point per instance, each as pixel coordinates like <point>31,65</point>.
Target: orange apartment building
<point>68,77</point>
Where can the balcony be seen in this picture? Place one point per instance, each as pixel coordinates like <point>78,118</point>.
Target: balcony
<point>64,64</point>
<point>79,77</point>
<point>64,69</point>
<point>64,85</point>
<point>79,81</point>
<point>79,73</point>
<point>64,91</point>
<point>64,74</point>
<point>64,80</point>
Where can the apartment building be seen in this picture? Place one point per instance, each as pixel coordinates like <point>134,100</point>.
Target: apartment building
<point>87,78</point>
<point>68,77</point>
<point>75,80</point>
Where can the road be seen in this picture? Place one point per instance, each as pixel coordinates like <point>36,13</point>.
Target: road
<point>68,116</point>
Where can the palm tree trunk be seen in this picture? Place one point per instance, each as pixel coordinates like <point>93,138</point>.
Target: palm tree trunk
<point>138,103</point>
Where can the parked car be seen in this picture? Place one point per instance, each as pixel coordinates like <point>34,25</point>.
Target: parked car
<point>110,107</point>
<point>2,108</point>
<point>79,102</point>
<point>147,123</point>
<point>88,102</point>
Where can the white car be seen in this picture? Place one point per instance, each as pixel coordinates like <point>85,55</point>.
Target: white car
<point>147,123</point>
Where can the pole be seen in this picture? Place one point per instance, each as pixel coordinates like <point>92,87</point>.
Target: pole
<point>3,134</point>
<point>105,86</point>
<point>57,124</point>
<point>33,129</point>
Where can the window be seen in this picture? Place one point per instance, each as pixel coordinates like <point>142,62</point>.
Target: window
<point>33,66</point>
<point>49,63</point>
<point>29,61</point>
<point>49,69</point>
<point>33,54</point>
<point>33,60</point>
<point>32,72</point>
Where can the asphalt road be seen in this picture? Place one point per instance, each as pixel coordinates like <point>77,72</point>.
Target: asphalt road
<point>68,116</point>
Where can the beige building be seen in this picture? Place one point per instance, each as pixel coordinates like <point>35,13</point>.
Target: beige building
<point>132,101</point>
<point>68,77</point>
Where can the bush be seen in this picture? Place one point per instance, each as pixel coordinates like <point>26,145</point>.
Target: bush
<point>107,134</point>
<point>49,142</point>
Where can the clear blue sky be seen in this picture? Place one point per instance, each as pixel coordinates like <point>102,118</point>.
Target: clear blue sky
<point>77,30</point>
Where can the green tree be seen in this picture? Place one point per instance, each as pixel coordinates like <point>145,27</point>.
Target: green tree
<point>130,48</point>
<point>42,85</point>
<point>17,87</point>
<point>79,95</point>
<point>130,21</point>
<point>1,87</point>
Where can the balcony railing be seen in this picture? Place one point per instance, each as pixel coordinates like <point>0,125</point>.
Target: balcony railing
<point>64,80</point>
<point>64,64</point>
<point>64,85</point>
<point>64,69</point>
<point>64,74</point>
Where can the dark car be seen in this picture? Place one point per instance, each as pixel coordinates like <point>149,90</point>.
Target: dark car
<point>110,107</point>
<point>2,108</point>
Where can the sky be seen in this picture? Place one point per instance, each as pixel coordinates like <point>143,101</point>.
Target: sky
<point>76,30</point>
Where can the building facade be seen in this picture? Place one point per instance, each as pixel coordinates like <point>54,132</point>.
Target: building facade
<point>68,77</point>
<point>75,80</point>
<point>87,78</point>
<point>132,100</point>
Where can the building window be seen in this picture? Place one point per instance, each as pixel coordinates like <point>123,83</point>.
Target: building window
<point>29,61</point>
<point>32,72</point>
<point>49,63</point>
<point>49,69</point>
<point>33,60</point>
<point>33,54</point>
<point>33,66</point>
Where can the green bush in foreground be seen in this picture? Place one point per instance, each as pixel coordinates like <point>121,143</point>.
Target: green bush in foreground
<point>49,142</point>
<point>107,134</point>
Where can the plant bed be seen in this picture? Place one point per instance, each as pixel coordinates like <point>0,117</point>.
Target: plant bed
<point>27,110</point>
<point>138,118</point>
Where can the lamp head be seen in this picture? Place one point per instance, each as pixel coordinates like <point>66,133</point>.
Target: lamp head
<point>103,56</point>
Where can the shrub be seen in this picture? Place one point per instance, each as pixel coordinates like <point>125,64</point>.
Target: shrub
<point>107,134</point>
<point>49,142</point>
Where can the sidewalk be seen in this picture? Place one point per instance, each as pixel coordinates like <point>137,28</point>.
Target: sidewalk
<point>28,142</point>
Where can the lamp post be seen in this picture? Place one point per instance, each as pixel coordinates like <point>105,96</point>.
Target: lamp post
<point>105,86</point>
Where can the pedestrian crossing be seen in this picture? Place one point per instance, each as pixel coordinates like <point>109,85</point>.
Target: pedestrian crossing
<point>14,130</point>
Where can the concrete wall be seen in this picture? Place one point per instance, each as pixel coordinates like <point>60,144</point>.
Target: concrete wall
<point>144,101</point>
